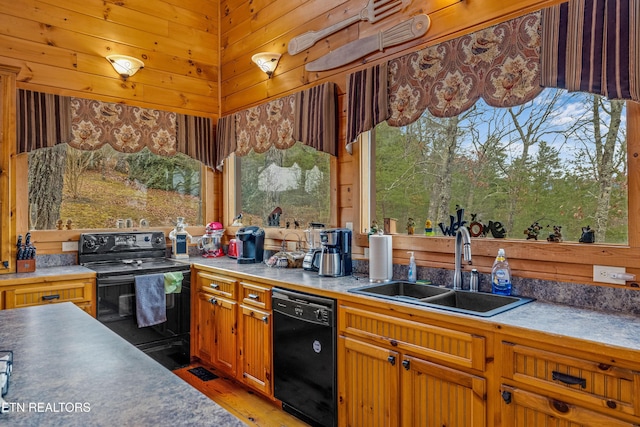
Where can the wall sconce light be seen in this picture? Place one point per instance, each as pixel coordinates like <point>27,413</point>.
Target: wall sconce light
<point>267,61</point>
<point>124,65</point>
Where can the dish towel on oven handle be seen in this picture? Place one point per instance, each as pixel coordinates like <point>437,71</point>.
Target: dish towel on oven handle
<point>151,303</point>
<point>173,282</point>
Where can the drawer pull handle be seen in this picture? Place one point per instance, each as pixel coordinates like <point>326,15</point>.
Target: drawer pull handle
<point>50,297</point>
<point>214,285</point>
<point>392,360</point>
<point>254,296</point>
<point>568,379</point>
<point>560,406</point>
<point>406,364</point>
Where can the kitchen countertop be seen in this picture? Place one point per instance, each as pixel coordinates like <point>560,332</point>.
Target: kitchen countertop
<point>70,370</point>
<point>614,329</point>
<point>44,273</point>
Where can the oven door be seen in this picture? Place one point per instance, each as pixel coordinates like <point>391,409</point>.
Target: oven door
<point>117,310</point>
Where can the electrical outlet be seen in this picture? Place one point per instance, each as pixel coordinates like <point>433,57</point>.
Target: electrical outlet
<point>603,273</point>
<point>69,246</point>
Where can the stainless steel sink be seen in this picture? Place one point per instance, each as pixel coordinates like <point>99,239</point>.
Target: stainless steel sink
<point>474,303</point>
<point>402,290</point>
<point>477,303</point>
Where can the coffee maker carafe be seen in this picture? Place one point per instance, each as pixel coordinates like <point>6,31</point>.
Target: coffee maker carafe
<point>311,261</point>
<point>250,243</point>
<point>335,254</point>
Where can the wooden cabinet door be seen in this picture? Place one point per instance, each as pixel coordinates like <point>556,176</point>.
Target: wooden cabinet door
<point>435,396</point>
<point>225,348</point>
<point>255,348</point>
<point>368,384</point>
<point>202,329</point>
<point>520,408</point>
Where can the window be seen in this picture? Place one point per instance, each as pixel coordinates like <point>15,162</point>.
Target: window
<point>560,160</point>
<point>108,189</point>
<point>295,180</point>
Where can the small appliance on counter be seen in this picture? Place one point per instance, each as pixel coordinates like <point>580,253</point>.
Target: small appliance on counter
<point>335,255</point>
<point>180,240</point>
<point>232,250</point>
<point>210,244</point>
<point>250,244</point>
<point>311,261</point>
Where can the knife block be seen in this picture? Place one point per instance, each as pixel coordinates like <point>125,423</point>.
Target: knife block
<point>26,265</point>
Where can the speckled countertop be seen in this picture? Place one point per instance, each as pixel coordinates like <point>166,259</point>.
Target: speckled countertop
<point>46,272</point>
<point>70,370</point>
<point>614,329</point>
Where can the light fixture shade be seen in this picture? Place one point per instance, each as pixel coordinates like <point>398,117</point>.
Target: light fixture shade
<point>267,61</point>
<point>124,65</point>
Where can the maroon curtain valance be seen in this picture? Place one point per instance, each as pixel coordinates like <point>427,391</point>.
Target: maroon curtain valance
<point>308,116</point>
<point>499,64</point>
<point>593,46</point>
<point>44,120</point>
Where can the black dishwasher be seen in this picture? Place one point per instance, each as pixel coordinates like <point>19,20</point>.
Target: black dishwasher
<point>304,356</point>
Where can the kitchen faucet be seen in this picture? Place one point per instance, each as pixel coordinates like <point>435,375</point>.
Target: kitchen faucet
<point>462,239</point>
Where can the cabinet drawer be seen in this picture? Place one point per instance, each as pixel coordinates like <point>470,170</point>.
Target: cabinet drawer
<point>255,295</point>
<point>217,285</point>
<point>432,342</point>
<point>597,383</point>
<point>26,296</point>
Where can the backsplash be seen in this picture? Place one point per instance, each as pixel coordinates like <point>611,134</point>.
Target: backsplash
<point>602,298</point>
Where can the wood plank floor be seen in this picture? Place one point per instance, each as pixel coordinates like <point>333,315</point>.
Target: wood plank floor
<point>250,407</point>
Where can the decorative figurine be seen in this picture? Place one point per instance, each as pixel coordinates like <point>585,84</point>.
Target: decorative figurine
<point>69,225</point>
<point>533,231</point>
<point>237,221</point>
<point>411,226</point>
<point>273,220</point>
<point>556,236</point>
<point>428,228</point>
<point>588,235</point>
<point>374,227</point>
<point>59,225</point>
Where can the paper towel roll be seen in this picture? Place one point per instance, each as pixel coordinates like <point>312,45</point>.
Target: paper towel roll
<point>380,258</point>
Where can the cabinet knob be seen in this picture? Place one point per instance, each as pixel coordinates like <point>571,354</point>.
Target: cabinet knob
<point>253,296</point>
<point>214,285</point>
<point>265,319</point>
<point>392,360</point>
<point>213,300</point>
<point>406,364</point>
<point>506,396</point>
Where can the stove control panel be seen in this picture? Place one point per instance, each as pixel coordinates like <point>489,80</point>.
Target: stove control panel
<point>104,243</point>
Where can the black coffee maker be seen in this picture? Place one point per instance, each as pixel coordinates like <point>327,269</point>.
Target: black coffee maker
<point>250,244</point>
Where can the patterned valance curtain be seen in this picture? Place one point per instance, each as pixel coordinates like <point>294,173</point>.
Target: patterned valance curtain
<point>593,46</point>
<point>367,101</point>
<point>44,120</point>
<point>499,64</point>
<point>309,116</point>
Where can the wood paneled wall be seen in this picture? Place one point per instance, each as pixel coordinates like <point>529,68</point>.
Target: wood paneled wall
<point>247,28</point>
<point>60,47</point>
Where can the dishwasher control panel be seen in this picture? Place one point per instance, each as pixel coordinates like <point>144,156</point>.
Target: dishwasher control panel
<point>305,307</point>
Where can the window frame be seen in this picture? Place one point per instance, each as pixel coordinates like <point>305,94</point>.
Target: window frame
<point>48,240</point>
<point>572,261</point>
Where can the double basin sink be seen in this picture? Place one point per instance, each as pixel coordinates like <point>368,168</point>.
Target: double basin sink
<point>474,303</point>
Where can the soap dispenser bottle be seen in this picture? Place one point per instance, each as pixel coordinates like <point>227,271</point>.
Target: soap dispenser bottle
<point>501,275</point>
<point>412,276</point>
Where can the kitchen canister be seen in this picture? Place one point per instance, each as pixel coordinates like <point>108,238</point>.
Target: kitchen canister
<point>380,258</point>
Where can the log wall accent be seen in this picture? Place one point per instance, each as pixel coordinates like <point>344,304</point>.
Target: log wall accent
<point>60,47</point>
